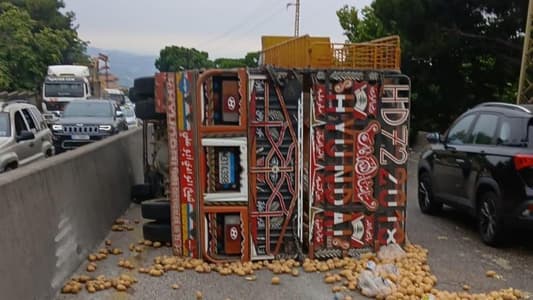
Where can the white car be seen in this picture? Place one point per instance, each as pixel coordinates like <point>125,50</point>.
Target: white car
<point>131,118</point>
<point>24,135</point>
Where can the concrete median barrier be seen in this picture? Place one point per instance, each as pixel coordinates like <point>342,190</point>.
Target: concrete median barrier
<point>54,211</point>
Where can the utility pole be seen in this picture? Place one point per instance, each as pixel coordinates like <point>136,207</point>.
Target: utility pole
<point>296,17</point>
<point>525,84</point>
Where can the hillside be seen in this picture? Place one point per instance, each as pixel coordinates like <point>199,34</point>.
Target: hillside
<point>127,66</point>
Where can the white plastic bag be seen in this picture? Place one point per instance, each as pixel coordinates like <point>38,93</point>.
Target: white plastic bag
<point>373,285</point>
<point>391,252</point>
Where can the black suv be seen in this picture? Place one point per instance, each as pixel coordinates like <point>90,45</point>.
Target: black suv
<point>483,164</point>
<point>86,121</point>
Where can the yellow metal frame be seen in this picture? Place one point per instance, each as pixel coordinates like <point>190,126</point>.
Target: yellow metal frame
<point>309,52</point>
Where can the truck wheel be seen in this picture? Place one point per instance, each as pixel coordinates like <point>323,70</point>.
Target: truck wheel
<point>155,180</point>
<point>156,209</point>
<point>144,86</point>
<point>157,232</point>
<point>141,192</point>
<point>145,110</point>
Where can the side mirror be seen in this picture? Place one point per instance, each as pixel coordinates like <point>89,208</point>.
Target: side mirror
<point>119,114</point>
<point>434,138</point>
<point>25,136</point>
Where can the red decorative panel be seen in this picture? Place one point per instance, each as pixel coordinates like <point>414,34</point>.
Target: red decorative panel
<point>357,162</point>
<point>273,167</point>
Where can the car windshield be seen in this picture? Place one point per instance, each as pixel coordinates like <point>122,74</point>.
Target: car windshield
<point>128,112</point>
<point>88,109</point>
<point>117,97</point>
<point>5,128</point>
<point>63,90</point>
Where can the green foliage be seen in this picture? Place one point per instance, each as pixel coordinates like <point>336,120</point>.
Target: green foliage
<point>358,29</point>
<point>251,59</point>
<point>227,63</point>
<point>33,35</point>
<point>174,58</point>
<point>458,53</point>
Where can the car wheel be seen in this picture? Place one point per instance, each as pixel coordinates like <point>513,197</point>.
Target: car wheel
<point>490,223</point>
<point>157,232</point>
<point>9,168</point>
<point>156,209</point>
<point>426,199</point>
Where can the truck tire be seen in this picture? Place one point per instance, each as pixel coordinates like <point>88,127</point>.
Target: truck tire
<point>145,110</point>
<point>141,192</point>
<point>155,180</point>
<point>157,232</point>
<point>144,86</point>
<point>156,209</point>
<point>136,97</point>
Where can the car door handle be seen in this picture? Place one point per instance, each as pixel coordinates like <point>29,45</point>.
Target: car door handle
<point>460,160</point>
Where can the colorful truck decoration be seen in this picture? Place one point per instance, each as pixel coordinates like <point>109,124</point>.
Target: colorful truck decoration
<point>274,162</point>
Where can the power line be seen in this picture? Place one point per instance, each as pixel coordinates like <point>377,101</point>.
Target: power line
<point>255,25</point>
<point>238,25</point>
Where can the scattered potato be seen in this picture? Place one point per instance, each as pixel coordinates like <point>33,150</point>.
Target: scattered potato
<point>276,280</point>
<point>199,295</point>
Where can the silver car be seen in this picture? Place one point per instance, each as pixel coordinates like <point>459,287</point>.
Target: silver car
<point>24,135</point>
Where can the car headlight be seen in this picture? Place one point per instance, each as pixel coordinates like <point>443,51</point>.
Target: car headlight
<point>105,127</point>
<point>57,127</point>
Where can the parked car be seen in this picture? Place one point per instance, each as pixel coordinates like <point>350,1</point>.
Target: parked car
<point>24,135</point>
<point>86,121</point>
<point>484,165</point>
<point>131,118</point>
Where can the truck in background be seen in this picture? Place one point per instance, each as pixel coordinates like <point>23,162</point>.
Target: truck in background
<point>63,84</point>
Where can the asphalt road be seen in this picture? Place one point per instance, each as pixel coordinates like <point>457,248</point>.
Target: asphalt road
<point>456,254</point>
<point>456,257</point>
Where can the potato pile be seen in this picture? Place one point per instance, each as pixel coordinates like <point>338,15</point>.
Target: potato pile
<point>408,275</point>
<point>123,225</point>
<point>100,283</point>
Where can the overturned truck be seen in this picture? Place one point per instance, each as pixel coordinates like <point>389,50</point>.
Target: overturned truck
<point>298,157</point>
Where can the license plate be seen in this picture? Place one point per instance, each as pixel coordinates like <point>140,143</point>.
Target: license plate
<point>226,168</point>
<point>80,137</point>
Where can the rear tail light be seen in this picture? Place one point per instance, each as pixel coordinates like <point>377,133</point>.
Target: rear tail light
<point>522,161</point>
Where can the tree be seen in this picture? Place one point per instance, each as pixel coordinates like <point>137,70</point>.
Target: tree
<point>174,58</point>
<point>228,63</point>
<point>458,53</point>
<point>28,45</point>
<point>24,55</point>
<point>360,30</point>
<point>47,14</point>
<point>251,59</point>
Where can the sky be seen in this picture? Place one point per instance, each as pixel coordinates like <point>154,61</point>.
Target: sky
<point>223,28</point>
